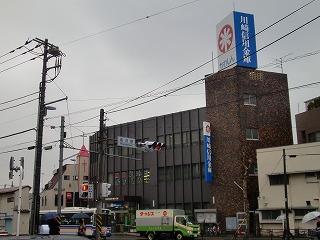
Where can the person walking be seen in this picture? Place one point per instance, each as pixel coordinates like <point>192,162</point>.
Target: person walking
<point>82,228</point>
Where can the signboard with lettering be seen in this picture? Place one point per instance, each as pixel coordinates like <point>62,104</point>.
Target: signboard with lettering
<point>126,142</point>
<point>236,41</point>
<point>207,151</point>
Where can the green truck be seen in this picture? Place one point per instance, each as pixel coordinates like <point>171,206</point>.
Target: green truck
<point>173,223</point>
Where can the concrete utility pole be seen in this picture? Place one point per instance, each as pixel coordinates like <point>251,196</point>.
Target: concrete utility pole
<point>60,170</point>
<point>287,229</point>
<point>35,208</point>
<point>100,180</point>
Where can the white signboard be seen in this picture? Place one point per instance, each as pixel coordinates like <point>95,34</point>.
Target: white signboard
<point>126,142</point>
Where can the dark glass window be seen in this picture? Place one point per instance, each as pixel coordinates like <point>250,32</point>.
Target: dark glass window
<point>277,180</point>
<point>270,214</point>
<point>177,140</point>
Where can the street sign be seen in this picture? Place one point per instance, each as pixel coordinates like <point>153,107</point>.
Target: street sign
<point>90,191</point>
<point>126,142</point>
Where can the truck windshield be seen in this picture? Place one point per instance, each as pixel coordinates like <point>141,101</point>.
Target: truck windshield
<point>191,220</point>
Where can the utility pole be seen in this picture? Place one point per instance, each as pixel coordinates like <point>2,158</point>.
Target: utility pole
<point>35,208</point>
<point>100,172</point>
<point>60,170</point>
<point>287,230</point>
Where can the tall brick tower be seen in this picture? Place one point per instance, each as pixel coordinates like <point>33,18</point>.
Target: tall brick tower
<point>247,109</point>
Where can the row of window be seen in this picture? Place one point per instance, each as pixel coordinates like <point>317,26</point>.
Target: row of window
<point>67,177</point>
<point>279,179</point>
<point>273,214</point>
<point>165,174</point>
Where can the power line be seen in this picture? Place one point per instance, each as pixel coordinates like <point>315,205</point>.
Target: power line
<point>19,98</point>
<point>18,105</point>
<point>128,23</point>
<point>18,48</point>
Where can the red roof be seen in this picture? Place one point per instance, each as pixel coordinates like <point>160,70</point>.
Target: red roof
<point>83,152</point>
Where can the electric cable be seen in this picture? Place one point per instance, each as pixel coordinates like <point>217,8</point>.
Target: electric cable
<point>18,48</point>
<point>128,23</point>
<point>31,59</point>
<point>20,104</point>
<point>18,98</point>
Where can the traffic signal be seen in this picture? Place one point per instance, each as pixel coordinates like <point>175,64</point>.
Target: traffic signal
<point>156,146</point>
<point>148,146</point>
<point>105,192</point>
<point>83,193</point>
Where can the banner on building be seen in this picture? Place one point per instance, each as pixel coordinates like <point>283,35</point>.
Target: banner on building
<point>207,151</point>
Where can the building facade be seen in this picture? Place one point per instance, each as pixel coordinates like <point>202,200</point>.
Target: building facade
<point>73,175</point>
<point>247,110</point>
<point>308,122</point>
<point>303,187</point>
<point>9,200</point>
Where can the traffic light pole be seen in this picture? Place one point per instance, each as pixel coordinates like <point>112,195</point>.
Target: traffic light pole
<point>100,172</point>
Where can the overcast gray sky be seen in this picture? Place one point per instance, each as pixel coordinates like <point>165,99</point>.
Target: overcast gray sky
<point>115,52</point>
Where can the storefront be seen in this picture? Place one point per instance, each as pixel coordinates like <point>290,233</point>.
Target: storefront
<point>124,208</point>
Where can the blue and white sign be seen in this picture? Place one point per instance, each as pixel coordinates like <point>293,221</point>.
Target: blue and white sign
<point>236,41</point>
<point>207,151</point>
<point>126,142</point>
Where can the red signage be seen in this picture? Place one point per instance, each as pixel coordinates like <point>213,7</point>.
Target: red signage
<point>69,195</point>
<point>164,213</point>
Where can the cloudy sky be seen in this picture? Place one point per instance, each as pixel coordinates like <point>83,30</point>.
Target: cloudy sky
<point>118,50</point>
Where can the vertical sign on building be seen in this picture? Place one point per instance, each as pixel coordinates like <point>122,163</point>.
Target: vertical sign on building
<point>236,41</point>
<point>207,151</point>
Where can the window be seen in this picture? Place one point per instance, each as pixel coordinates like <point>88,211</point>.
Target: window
<point>146,175</point>
<point>277,180</point>
<point>302,212</point>
<point>10,199</point>
<point>125,151</point>
<point>196,170</point>
<point>117,180</point>
<point>132,178</point>
<point>253,169</point>
<point>169,141</point>
<point>86,178</point>
<point>124,178</point>
<point>66,177</point>
<point>250,99</point>
<point>252,134</point>
<point>194,137</point>
<point>110,178</point>
<point>271,214</point>
<point>138,176</point>
<point>257,76</point>
<point>185,139</point>
<point>201,136</point>
<point>177,140</point>
<point>314,137</point>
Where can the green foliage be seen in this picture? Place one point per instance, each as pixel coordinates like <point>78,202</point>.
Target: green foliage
<point>314,104</point>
